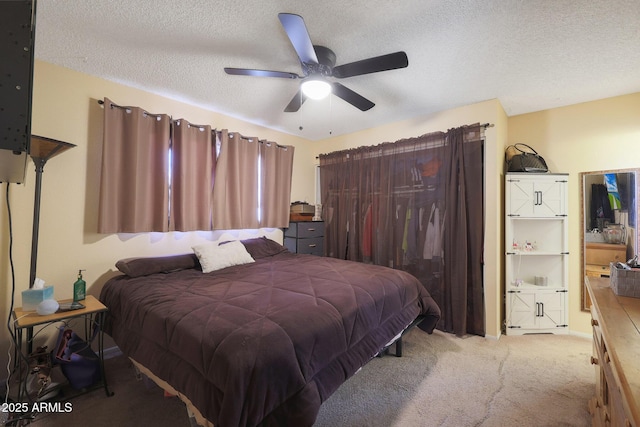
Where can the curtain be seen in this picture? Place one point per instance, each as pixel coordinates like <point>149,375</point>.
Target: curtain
<point>159,177</point>
<point>192,167</point>
<point>368,192</point>
<point>134,184</point>
<point>276,167</point>
<point>463,238</point>
<point>398,204</point>
<point>235,195</point>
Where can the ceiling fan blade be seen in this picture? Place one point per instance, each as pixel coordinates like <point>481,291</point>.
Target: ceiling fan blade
<point>351,97</point>
<point>299,36</point>
<point>260,73</point>
<point>391,61</point>
<point>296,102</point>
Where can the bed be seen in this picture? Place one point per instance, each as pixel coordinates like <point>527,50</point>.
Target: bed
<point>263,342</point>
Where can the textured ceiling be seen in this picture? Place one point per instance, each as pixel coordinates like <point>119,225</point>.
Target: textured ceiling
<point>531,55</point>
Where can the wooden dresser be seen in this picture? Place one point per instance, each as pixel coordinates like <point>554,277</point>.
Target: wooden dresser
<point>616,356</point>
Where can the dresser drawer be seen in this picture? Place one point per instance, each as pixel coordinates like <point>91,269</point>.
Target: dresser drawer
<point>593,270</point>
<point>604,253</point>
<point>305,229</point>
<point>313,245</point>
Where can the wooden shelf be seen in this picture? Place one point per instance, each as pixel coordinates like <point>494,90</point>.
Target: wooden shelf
<point>27,319</point>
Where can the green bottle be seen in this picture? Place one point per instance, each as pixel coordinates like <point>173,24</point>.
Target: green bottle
<point>79,288</point>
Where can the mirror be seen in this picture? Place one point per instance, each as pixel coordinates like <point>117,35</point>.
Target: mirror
<point>609,201</point>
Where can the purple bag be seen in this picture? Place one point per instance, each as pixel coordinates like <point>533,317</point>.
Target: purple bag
<point>79,363</point>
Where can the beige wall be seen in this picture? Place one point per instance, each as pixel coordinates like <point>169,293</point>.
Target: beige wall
<point>591,136</point>
<point>65,108</point>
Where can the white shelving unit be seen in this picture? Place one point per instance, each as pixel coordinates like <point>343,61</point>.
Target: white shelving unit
<point>537,253</point>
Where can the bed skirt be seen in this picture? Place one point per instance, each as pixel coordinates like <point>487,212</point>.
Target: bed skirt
<point>192,410</point>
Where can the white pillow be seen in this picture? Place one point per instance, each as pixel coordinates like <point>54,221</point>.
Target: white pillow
<point>215,257</point>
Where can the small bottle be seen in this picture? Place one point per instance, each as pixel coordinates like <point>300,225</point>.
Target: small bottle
<point>79,288</point>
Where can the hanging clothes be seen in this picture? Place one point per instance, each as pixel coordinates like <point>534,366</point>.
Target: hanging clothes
<point>422,230</point>
<point>399,228</point>
<point>600,207</point>
<point>412,235</point>
<point>433,236</point>
<point>405,236</point>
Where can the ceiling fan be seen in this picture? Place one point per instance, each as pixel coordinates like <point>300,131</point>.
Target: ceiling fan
<point>318,65</point>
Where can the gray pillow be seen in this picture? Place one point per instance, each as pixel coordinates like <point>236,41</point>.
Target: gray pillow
<point>261,247</point>
<point>136,267</point>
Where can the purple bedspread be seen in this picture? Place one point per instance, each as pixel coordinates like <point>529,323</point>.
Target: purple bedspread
<point>263,343</point>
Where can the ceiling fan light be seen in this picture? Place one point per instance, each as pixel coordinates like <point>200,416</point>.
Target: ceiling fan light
<point>316,88</point>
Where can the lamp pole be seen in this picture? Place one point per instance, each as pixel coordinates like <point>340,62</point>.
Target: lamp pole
<point>39,162</point>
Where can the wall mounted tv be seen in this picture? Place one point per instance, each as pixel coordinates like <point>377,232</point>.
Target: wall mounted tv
<point>17,36</point>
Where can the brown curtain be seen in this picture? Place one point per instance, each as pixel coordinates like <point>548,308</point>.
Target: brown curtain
<point>252,177</point>
<point>391,205</point>
<point>276,167</point>
<point>235,195</point>
<point>464,236</point>
<point>134,184</point>
<point>192,166</point>
<point>367,192</point>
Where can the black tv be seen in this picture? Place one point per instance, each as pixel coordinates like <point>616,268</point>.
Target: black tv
<point>17,37</point>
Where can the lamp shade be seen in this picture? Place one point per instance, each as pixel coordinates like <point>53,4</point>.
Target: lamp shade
<point>315,88</point>
<point>45,148</point>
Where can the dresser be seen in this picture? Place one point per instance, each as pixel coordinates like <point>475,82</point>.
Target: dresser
<point>305,237</point>
<point>616,355</point>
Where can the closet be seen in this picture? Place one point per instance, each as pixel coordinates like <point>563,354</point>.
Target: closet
<point>414,205</point>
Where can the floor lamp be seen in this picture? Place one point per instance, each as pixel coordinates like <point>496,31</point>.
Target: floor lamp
<point>41,150</point>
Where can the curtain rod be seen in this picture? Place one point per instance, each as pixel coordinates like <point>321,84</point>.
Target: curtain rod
<point>191,125</point>
<point>101,102</point>
<point>262,141</point>
<point>485,125</point>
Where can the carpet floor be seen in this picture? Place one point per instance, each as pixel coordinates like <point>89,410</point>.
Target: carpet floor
<point>441,380</point>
